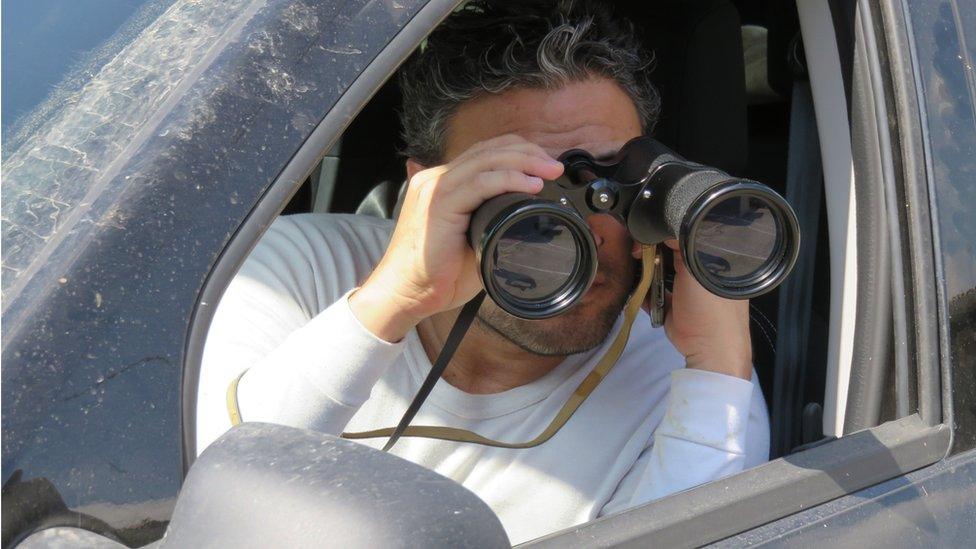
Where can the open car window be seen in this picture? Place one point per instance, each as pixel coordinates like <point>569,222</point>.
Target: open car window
<point>788,125</point>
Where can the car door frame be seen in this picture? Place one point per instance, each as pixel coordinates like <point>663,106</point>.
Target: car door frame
<point>868,464</point>
<point>96,329</point>
<point>698,516</point>
<point>267,208</point>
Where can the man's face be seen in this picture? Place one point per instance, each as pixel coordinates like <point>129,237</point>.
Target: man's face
<point>594,115</point>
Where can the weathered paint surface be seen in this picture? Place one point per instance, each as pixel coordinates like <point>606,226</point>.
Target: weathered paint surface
<point>115,212</point>
<point>945,38</point>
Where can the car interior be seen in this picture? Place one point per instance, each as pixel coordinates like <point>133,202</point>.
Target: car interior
<point>762,90</point>
<point>726,72</point>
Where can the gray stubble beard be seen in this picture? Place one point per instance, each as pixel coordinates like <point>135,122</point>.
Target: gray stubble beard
<point>563,335</point>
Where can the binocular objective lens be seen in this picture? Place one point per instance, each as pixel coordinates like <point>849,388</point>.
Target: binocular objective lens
<point>737,239</point>
<point>535,258</point>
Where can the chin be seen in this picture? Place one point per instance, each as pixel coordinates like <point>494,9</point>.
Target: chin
<point>582,328</point>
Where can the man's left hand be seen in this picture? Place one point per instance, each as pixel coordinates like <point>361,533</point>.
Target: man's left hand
<point>711,332</point>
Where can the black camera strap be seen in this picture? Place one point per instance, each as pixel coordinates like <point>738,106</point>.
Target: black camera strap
<point>461,325</point>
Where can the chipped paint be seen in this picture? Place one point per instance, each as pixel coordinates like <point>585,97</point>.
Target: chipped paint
<point>53,178</point>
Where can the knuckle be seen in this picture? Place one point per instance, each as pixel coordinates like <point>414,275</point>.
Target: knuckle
<point>529,160</point>
<point>483,153</point>
<point>513,177</point>
<point>533,148</point>
<point>484,179</point>
<point>420,178</point>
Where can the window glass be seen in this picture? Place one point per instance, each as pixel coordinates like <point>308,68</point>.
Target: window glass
<point>945,40</point>
<point>50,46</point>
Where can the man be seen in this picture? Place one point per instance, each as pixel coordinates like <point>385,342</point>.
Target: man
<point>335,320</point>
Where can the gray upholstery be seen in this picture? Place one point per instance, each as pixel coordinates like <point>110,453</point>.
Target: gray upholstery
<point>65,537</point>
<point>262,485</point>
<point>700,73</point>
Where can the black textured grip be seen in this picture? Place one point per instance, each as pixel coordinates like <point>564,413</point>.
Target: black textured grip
<point>684,193</point>
<point>673,188</point>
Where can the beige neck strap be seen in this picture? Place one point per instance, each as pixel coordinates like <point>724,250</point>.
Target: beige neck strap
<point>587,386</point>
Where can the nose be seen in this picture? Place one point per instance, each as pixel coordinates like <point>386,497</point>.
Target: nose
<point>603,227</point>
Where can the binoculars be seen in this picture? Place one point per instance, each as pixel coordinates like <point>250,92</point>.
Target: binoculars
<point>537,257</point>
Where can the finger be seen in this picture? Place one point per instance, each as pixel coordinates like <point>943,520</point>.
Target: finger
<point>436,185</point>
<point>464,167</point>
<point>673,244</point>
<point>529,147</point>
<point>499,142</point>
<point>526,147</point>
<point>487,185</point>
<point>505,160</point>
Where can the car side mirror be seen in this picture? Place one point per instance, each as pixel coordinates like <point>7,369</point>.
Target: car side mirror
<point>263,485</point>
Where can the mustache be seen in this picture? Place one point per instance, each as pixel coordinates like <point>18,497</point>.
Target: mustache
<point>610,273</point>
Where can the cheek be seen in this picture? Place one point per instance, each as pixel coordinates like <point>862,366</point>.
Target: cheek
<point>614,248</point>
<point>611,235</point>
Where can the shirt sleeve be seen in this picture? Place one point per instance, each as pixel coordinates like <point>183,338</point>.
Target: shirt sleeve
<point>320,376</point>
<point>714,426</point>
<point>284,323</point>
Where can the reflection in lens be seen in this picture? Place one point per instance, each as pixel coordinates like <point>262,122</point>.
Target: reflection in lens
<point>535,258</point>
<point>737,238</point>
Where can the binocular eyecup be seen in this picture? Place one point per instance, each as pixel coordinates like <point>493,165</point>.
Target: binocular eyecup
<point>537,256</point>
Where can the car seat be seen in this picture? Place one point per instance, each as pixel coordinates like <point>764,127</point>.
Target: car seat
<point>700,73</point>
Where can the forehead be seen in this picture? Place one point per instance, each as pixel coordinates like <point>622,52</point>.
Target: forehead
<point>594,114</point>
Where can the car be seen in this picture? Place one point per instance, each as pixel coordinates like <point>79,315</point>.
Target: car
<point>136,181</point>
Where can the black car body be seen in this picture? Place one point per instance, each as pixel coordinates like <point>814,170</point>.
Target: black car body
<point>132,199</point>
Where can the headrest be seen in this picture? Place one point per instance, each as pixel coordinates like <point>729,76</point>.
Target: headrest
<point>700,72</point>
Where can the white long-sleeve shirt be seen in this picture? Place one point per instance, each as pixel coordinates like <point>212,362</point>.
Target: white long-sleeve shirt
<point>651,428</point>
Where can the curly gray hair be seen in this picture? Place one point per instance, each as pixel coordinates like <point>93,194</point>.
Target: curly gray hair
<point>487,47</point>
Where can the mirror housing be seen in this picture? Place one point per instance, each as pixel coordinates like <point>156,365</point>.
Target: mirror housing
<point>263,485</point>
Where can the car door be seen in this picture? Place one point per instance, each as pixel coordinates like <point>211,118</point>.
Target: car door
<point>902,474</point>
<point>917,57</point>
<point>175,150</point>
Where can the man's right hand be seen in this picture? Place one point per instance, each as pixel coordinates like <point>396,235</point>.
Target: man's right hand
<point>429,266</point>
